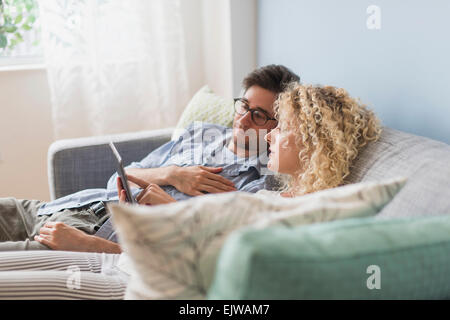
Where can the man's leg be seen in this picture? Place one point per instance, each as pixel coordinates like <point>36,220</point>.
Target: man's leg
<point>60,285</point>
<point>19,223</point>
<point>53,260</point>
<point>61,275</point>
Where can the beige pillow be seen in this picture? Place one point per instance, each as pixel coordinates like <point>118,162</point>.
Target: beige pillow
<point>206,106</point>
<point>171,250</point>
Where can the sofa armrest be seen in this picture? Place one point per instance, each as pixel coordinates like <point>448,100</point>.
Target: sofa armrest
<point>86,163</point>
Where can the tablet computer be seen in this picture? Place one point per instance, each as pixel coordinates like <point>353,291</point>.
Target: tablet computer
<point>121,173</point>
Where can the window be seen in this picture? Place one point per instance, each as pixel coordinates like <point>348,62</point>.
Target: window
<point>19,32</point>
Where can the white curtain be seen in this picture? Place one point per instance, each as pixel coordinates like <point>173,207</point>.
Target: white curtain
<point>114,65</point>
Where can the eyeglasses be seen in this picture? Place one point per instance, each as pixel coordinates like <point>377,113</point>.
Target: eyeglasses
<point>259,116</point>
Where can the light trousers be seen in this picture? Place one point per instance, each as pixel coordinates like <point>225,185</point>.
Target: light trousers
<point>60,275</point>
<point>19,223</point>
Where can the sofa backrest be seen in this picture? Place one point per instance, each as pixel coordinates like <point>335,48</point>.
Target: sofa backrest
<point>426,164</point>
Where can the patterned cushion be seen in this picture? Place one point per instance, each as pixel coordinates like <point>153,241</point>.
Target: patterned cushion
<point>208,107</point>
<point>368,258</point>
<point>173,248</point>
<point>426,164</point>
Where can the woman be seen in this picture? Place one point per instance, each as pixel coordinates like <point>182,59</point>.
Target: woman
<point>319,134</point>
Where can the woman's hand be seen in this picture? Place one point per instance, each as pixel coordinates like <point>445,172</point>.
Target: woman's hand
<point>60,236</point>
<point>152,193</point>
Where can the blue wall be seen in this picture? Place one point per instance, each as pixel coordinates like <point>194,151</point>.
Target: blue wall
<point>402,71</point>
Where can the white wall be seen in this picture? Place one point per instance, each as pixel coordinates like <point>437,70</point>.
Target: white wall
<point>229,43</point>
<point>26,132</point>
<point>221,40</point>
<point>217,46</point>
<point>222,43</point>
<point>401,70</point>
<point>243,17</point>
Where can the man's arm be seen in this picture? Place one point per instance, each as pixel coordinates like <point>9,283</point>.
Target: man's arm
<point>102,245</point>
<point>154,160</point>
<point>160,176</point>
<point>60,236</point>
<point>191,180</point>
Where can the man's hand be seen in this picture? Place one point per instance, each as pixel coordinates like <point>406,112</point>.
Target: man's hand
<point>151,195</point>
<point>195,180</point>
<point>60,236</point>
<point>159,176</point>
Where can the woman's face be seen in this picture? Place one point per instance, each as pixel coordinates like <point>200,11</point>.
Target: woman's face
<point>283,157</point>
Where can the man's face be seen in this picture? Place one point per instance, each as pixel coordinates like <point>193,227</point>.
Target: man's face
<point>246,134</point>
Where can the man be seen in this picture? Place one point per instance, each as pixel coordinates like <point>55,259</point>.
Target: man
<point>205,159</point>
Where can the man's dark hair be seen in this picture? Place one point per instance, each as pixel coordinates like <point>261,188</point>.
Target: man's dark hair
<point>272,77</point>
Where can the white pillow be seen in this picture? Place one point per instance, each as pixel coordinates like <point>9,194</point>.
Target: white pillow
<point>173,248</point>
<point>205,106</point>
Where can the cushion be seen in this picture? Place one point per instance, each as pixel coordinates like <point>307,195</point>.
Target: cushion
<point>173,248</point>
<point>206,106</point>
<point>368,258</point>
<point>423,161</point>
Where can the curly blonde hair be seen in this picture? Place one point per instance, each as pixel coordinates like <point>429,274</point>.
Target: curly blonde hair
<point>330,128</point>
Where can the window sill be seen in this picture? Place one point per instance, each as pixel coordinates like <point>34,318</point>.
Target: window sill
<point>22,63</point>
<point>22,67</point>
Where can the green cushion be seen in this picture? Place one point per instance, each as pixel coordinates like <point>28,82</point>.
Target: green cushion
<point>331,260</point>
<point>206,106</point>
